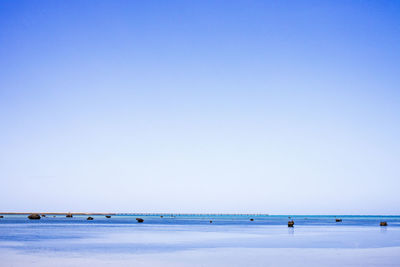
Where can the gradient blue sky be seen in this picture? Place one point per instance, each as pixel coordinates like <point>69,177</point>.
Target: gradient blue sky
<point>278,107</point>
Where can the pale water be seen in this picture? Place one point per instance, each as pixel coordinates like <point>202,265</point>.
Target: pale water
<point>191,240</point>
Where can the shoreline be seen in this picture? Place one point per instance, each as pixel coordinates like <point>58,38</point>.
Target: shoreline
<point>197,214</point>
<point>57,213</point>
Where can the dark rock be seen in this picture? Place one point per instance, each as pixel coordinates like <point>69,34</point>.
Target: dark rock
<point>383,224</point>
<point>108,216</point>
<point>251,219</point>
<point>34,216</point>
<point>338,220</point>
<point>139,220</point>
<point>89,218</point>
<point>69,215</point>
<point>290,223</point>
<point>1,216</point>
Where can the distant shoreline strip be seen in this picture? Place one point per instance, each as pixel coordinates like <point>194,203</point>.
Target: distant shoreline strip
<point>139,214</point>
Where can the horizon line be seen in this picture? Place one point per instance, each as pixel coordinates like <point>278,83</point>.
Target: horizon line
<point>184,213</point>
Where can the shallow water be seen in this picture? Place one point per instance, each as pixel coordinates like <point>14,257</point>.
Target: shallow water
<point>183,240</point>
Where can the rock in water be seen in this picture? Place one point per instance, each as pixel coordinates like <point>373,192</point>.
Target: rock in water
<point>34,216</point>
<point>69,215</point>
<point>89,218</point>
<point>108,216</point>
<point>290,223</point>
<point>383,224</point>
<point>139,220</point>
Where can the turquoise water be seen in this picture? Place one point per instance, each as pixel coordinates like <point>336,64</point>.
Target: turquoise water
<point>192,240</point>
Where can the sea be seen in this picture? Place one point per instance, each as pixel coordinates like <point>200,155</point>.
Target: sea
<point>200,240</point>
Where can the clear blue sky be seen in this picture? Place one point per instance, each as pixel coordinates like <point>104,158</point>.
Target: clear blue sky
<point>277,107</point>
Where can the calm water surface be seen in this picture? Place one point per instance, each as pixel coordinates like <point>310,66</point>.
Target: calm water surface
<point>183,240</point>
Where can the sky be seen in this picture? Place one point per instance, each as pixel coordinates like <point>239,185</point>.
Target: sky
<point>278,107</point>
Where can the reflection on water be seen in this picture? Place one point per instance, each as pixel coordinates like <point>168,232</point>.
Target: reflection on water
<point>122,235</point>
<point>291,230</point>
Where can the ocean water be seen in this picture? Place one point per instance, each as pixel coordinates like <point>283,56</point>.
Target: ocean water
<point>191,240</point>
